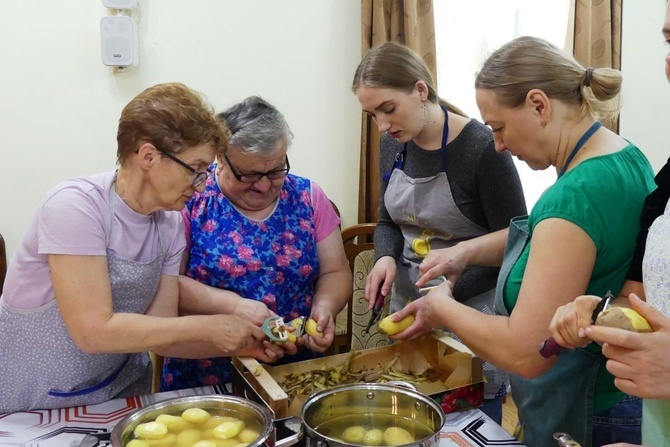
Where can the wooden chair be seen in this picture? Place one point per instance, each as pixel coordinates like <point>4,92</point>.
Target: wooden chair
<point>3,263</point>
<point>356,239</point>
<point>359,315</point>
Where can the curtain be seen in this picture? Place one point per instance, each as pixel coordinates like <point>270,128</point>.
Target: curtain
<point>408,22</point>
<point>597,37</point>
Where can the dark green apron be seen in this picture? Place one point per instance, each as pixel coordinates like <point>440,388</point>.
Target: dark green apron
<point>561,400</point>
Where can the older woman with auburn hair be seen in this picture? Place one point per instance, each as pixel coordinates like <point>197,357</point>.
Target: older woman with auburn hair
<point>93,284</point>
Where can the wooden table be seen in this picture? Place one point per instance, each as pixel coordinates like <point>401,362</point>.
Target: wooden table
<point>66,427</point>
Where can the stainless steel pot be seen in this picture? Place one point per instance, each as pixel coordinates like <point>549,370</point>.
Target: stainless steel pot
<point>229,405</point>
<point>365,399</point>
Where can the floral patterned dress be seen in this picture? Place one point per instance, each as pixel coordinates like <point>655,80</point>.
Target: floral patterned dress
<point>274,261</point>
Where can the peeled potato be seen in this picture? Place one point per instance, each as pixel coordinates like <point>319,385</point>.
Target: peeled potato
<point>150,430</point>
<point>397,436</point>
<point>623,318</point>
<point>195,415</point>
<point>373,437</point>
<point>225,442</point>
<point>248,435</point>
<point>388,327</point>
<point>213,421</point>
<point>228,430</point>
<point>310,328</point>
<point>353,434</point>
<point>174,423</point>
<point>167,441</point>
<point>188,437</point>
<point>205,443</point>
<point>137,443</point>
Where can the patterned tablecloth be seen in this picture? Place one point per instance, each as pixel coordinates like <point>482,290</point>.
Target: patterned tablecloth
<point>66,427</point>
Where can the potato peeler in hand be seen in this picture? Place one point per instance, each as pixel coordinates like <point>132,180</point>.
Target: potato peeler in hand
<point>549,347</point>
<point>275,328</point>
<point>376,313</point>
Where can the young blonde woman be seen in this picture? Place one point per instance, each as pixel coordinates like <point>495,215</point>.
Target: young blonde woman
<point>443,183</point>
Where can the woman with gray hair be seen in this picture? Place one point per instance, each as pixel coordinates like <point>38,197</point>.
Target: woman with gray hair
<point>258,232</point>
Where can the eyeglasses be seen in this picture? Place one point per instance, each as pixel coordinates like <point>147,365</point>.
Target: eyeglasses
<point>253,178</point>
<point>199,176</point>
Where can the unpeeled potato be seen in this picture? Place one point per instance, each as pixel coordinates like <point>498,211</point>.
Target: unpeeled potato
<point>389,327</point>
<point>623,318</point>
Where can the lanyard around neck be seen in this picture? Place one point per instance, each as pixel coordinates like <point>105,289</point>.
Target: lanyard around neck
<point>588,134</point>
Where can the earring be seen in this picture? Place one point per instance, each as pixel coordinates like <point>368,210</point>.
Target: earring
<point>424,113</point>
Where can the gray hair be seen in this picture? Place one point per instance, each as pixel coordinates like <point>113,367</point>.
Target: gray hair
<point>256,125</point>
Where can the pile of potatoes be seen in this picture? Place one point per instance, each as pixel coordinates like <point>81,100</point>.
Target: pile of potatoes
<point>195,427</point>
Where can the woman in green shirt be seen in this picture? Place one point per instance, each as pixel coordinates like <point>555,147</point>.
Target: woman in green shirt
<point>544,108</point>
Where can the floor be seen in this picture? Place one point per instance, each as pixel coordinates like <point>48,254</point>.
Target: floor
<point>509,415</point>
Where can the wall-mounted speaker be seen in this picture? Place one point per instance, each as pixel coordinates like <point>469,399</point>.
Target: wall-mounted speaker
<point>120,4</point>
<point>117,38</point>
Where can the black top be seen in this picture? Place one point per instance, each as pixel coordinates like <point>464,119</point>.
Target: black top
<point>484,184</point>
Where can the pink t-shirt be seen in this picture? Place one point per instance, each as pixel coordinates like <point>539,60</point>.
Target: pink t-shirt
<point>75,219</point>
<point>325,218</point>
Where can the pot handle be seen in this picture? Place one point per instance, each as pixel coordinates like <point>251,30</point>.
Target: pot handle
<point>294,424</point>
<point>402,384</point>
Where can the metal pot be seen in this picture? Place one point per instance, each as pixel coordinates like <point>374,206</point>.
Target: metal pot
<point>229,405</point>
<point>365,400</point>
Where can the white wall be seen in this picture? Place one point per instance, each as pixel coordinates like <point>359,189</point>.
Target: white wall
<point>645,116</point>
<point>60,105</point>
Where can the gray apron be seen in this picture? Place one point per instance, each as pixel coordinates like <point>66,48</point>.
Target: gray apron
<point>429,218</point>
<point>561,400</point>
<point>56,372</point>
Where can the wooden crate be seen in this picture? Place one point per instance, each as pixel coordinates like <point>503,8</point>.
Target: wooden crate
<point>462,390</point>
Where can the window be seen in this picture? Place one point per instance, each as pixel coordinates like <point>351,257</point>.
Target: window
<point>467,31</point>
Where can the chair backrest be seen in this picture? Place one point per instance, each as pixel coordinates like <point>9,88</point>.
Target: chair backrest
<point>357,239</point>
<point>3,262</point>
<point>360,315</point>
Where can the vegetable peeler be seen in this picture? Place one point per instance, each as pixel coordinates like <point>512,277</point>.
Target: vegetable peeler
<point>376,313</point>
<point>549,347</point>
<point>275,328</point>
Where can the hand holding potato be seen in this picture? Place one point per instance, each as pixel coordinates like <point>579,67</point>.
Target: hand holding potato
<point>638,360</point>
<point>319,330</point>
<point>426,311</point>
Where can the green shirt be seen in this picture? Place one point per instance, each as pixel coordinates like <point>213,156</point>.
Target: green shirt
<point>603,196</point>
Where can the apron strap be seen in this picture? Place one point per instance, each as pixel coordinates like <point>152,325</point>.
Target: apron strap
<point>400,156</point>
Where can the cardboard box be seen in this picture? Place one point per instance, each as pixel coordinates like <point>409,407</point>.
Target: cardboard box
<point>463,388</point>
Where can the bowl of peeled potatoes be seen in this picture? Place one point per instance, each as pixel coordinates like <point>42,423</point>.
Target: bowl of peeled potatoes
<point>369,414</point>
<point>198,421</point>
